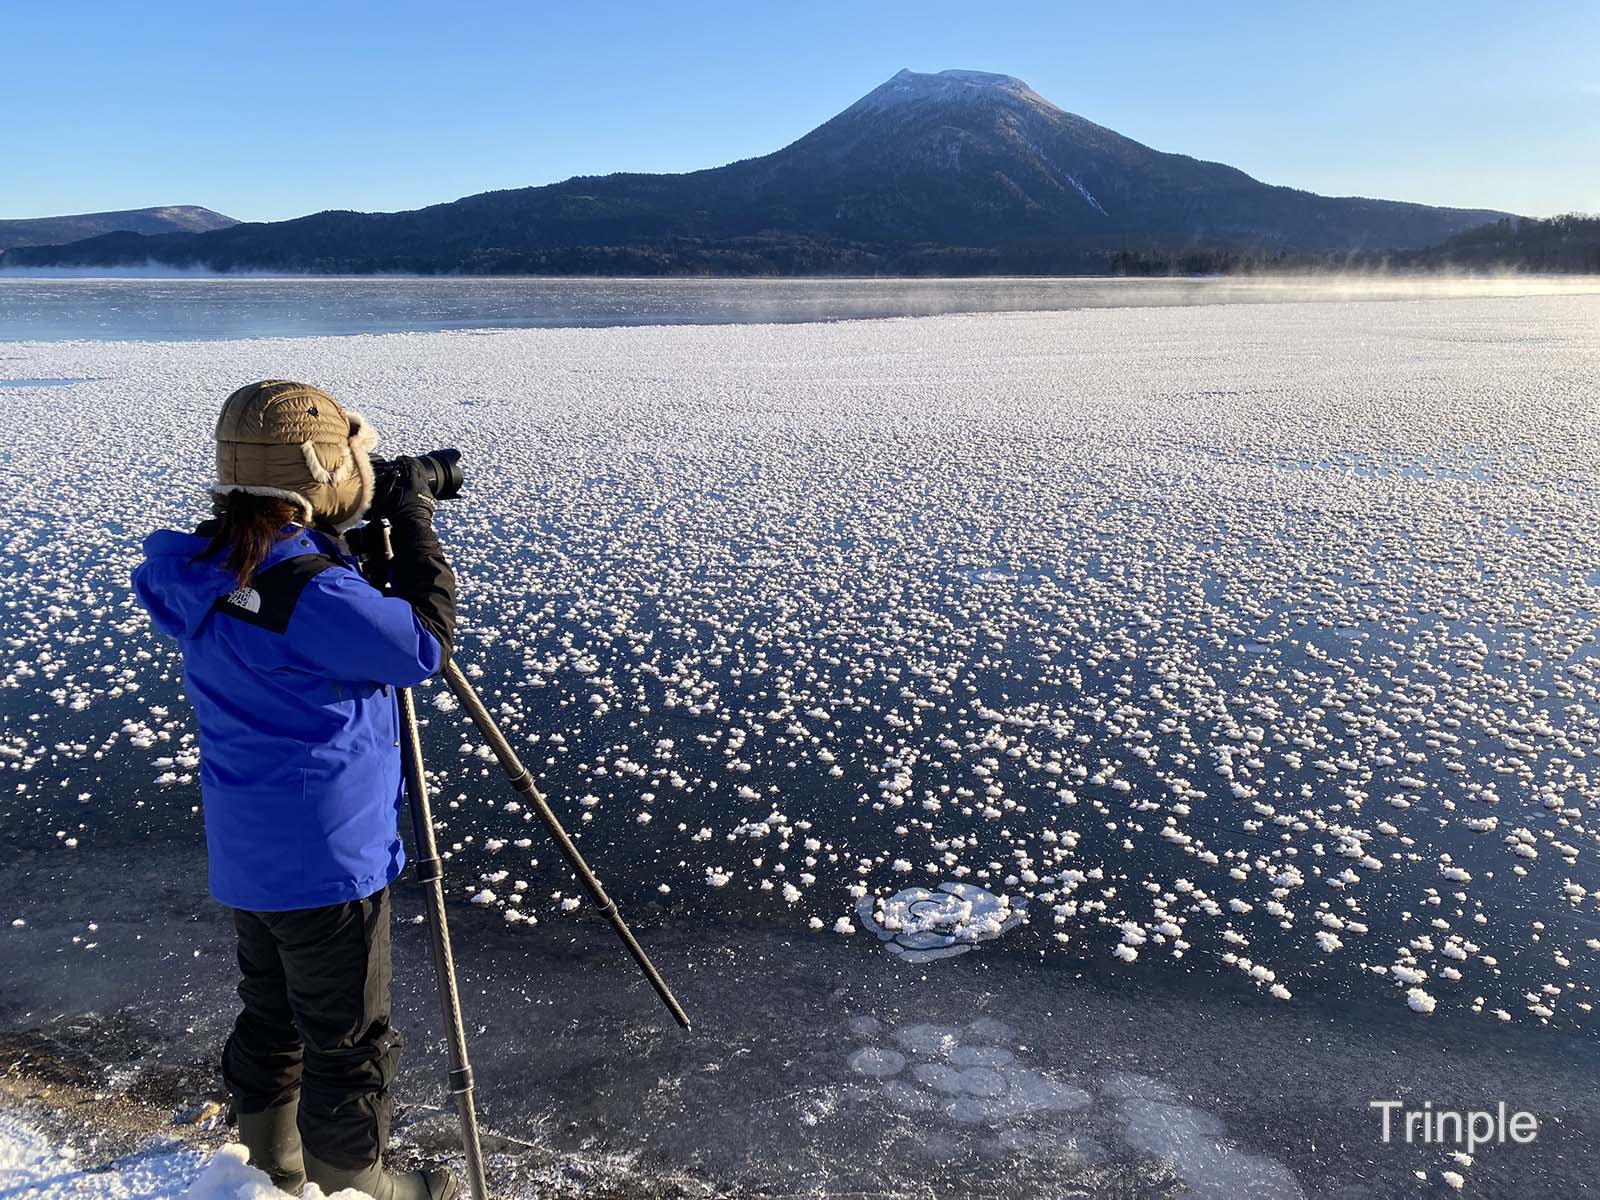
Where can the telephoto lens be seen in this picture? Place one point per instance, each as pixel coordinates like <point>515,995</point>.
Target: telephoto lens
<point>444,473</point>
<point>442,467</point>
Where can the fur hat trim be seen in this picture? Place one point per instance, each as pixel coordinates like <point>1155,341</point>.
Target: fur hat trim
<point>363,440</point>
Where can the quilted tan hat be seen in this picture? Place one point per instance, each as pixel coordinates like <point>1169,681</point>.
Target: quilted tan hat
<point>291,440</point>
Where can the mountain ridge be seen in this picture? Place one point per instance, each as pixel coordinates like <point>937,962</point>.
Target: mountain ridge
<point>168,218</point>
<point>956,170</point>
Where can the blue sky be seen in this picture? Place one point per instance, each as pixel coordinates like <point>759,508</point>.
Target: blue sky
<point>271,110</point>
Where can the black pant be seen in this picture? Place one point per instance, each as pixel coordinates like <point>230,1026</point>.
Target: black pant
<point>315,986</point>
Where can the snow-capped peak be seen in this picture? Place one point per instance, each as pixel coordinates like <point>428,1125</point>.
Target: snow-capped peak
<point>917,87</point>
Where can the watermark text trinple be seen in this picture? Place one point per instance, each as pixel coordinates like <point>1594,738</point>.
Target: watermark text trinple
<point>1446,1126</point>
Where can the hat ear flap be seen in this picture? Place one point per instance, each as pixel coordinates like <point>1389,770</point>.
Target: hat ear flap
<point>362,441</point>
<point>319,472</point>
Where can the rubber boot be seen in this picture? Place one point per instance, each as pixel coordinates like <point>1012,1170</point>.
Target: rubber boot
<point>437,1184</point>
<point>273,1139</point>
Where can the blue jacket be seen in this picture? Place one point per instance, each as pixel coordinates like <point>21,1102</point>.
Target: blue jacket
<point>291,681</point>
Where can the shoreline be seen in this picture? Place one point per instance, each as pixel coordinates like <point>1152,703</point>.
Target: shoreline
<point>50,1090</point>
<point>366,305</point>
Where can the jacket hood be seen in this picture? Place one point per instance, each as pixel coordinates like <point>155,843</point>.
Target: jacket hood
<point>177,591</point>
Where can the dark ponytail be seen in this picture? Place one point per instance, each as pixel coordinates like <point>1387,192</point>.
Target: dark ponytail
<point>250,526</point>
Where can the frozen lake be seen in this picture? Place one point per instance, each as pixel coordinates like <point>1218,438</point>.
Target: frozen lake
<point>1084,752</point>
<point>64,306</point>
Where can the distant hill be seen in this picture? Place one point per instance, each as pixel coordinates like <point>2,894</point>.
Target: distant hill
<point>957,172</point>
<point>1568,244</point>
<point>51,231</point>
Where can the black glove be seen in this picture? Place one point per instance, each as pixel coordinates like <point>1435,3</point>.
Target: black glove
<point>418,571</point>
<point>402,490</point>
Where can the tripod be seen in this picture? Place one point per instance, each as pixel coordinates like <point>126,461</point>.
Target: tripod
<point>376,551</point>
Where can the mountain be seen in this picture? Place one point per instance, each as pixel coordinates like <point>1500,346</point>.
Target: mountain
<point>50,231</point>
<point>959,171</point>
<point>1567,244</point>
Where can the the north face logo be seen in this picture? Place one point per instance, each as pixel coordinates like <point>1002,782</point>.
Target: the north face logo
<point>270,598</point>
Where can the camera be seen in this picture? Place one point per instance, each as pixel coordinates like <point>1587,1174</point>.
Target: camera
<point>442,467</point>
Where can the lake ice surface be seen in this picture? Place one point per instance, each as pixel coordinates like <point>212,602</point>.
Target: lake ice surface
<point>52,306</point>
<point>1244,652</point>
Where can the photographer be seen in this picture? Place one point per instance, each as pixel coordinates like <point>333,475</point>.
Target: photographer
<point>291,660</point>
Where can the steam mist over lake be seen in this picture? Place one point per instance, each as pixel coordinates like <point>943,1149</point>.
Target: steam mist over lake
<point>1092,741</point>
<point>68,305</point>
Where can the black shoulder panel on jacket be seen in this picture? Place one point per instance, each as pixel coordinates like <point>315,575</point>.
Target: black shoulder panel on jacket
<point>270,599</point>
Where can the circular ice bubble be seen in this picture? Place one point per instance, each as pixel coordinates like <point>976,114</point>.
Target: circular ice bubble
<point>977,1110</point>
<point>991,1030</point>
<point>974,1081</point>
<point>1191,1141</point>
<point>907,1096</point>
<point>981,1081</point>
<point>926,1039</point>
<point>1036,1091</point>
<point>918,924</point>
<point>996,575</point>
<point>939,1077</point>
<point>915,953</point>
<point>923,941</point>
<point>877,1063</point>
<point>980,1056</point>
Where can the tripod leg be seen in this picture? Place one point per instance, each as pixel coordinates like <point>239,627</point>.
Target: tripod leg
<point>523,782</point>
<point>430,874</point>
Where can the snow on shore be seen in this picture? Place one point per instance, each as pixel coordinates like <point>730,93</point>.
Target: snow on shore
<point>32,1167</point>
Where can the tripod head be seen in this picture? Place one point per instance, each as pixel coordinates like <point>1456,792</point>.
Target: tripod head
<point>370,544</point>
